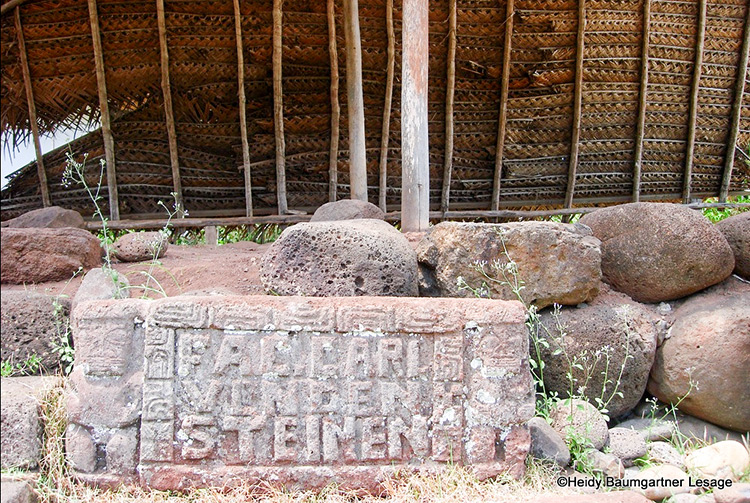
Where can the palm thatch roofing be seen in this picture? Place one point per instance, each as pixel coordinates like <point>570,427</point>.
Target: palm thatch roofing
<point>531,102</point>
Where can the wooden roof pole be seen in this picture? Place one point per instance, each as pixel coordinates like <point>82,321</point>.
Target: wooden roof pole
<point>243,109</point>
<point>642,103</point>
<point>168,110</point>
<point>41,173</point>
<point>387,106</point>
<point>415,154</point>
<point>695,91</point>
<point>357,155</point>
<point>278,109</point>
<point>10,4</point>
<point>576,132</point>
<point>736,111</point>
<point>450,92</point>
<point>503,114</point>
<point>333,162</point>
<point>108,139</point>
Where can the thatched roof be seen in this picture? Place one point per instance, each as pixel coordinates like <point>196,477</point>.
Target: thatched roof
<point>622,78</point>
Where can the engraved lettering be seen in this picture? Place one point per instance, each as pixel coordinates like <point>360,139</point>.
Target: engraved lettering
<point>401,436</point>
<point>192,347</point>
<point>276,355</point>
<point>390,357</point>
<point>230,353</point>
<point>361,399</point>
<point>246,428</point>
<point>358,358</point>
<point>338,441</point>
<point>373,438</point>
<point>448,359</point>
<point>200,441</point>
<point>285,439</point>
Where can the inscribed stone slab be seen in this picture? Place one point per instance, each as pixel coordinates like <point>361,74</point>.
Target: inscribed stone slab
<point>196,391</point>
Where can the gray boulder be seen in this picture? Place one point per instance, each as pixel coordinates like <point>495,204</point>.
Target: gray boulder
<point>736,230</point>
<point>705,361</point>
<point>656,252</point>
<point>347,258</point>
<point>40,255</point>
<point>613,339</point>
<point>347,209</point>
<point>626,444</point>
<point>32,325</point>
<point>101,284</point>
<point>140,246</point>
<point>51,217</point>
<point>580,420</point>
<point>546,443</point>
<point>557,263</point>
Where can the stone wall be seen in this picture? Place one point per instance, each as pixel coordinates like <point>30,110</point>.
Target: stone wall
<point>198,391</point>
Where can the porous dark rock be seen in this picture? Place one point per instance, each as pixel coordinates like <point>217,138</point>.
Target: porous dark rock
<point>51,217</point>
<point>664,453</point>
<point>347,209</point>
<point>612,338</point>
<point>736,230</point>
<point>651,430</point>
<point>35,255</point>
<point>345,258</point>
<point>21,420</point>
<point>32,324</point>
<point>556,263</point>
<point>626,444</point>
<point>140,246</point>
<point>546,443</point>
<point>656,252</point>
<point>580,419</point>
<point>705,362</point>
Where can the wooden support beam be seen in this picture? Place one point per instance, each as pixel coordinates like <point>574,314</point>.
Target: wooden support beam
<point>10,5</point>
<point>576,131</point>
<point>333,55</point>
<point>642,103</point>
<point>278,108</point>
<point>695,91</point>
<point>450,92</point>
<point>41,173</point>
<point>415,153</point>
<point>503,113</point>
<point>243,109</point>
<point>168,110</point>
<point>739,93</point>
<point>357,155</point>
<point>390,74</point>
<point>108,139</point>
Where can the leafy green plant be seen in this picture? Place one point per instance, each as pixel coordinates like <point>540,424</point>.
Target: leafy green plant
<point>718,214</point>
<point>29,366</point>
<point>258,233</point>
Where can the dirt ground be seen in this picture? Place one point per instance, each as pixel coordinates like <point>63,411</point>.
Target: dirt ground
<point>231,269</point>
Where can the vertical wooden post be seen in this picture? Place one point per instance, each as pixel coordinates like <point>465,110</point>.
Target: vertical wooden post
<point>168,111</point>
<point>695,91</point>
<point>503,115</point>
<point>278,108</point>
<point>41,173</point>
<point>576,132</point>
<point>449,97</point>
<point>101,84</point>
<point>415,199</point>
<point>211,235</point>
<point>736,111</point>
<point>357,156</point>
<point>243,110</point>
<point>333,162</point>
<point>387,106</point>
<point>642,103</point>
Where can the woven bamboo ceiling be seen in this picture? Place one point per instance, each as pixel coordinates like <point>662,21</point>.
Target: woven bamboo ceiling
<point>603,100</point>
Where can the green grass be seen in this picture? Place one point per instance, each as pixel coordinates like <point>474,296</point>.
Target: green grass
<point>717,214</point>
